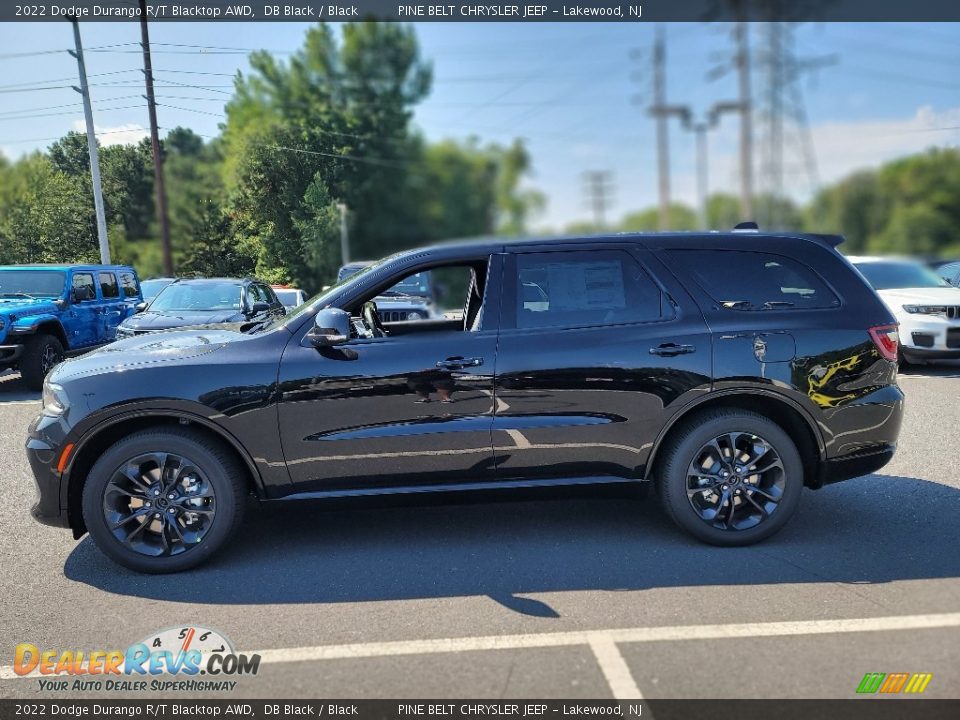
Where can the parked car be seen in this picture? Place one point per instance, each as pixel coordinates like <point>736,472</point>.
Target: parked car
<point>291,297</point>
<point>950,271</point>
<point>413,298</point>
<point>49,311</point>
<point>184,303</point>
<point>152,287</point>
<point>926,306</point>
<point>632,360</point>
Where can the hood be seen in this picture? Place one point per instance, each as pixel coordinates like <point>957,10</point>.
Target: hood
<point>146,350</point>
<point>898,297</point>
<point>167,319</point>
<point>26,306</point>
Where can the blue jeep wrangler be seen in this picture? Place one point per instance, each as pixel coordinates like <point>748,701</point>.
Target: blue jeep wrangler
<point>49,311</point>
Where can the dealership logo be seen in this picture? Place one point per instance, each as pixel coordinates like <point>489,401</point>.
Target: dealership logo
<point>893,683</point>
<point>184,651</point>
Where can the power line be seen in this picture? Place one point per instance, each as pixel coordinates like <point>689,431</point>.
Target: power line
<point>61,114</point>
<point>133,128</point>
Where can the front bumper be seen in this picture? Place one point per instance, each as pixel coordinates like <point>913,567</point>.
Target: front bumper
<point>10,353</point>
<point>929,336</point>
<point>44,443</point>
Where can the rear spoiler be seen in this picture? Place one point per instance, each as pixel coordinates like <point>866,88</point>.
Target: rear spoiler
<point>831,240</point>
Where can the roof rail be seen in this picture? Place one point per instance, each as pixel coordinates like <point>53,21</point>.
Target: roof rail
<point>746,226</point>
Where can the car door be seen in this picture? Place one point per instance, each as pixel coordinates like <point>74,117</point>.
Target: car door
<point>595,353</point>
<point>83,326</point>
<point>405,410</point>
<point>130,291</point>
<point>112,306</point>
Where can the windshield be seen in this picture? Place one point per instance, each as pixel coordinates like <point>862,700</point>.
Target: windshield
<point>151,288</point>
<point>892,274</point>
<point>199,296</point>
<point>34,283</point>
<point>289,298</point>
<point>418,284</point>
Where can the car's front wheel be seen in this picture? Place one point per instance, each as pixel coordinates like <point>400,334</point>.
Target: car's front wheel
<point>164,500</point>
<point>39,356</point>
<point>730,477</point>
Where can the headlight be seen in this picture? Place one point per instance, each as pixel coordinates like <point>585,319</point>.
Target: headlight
<point>415,315</point>
<point>54,399</point>
<point>926,309</point>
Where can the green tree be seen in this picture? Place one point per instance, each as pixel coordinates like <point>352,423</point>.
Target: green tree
<point>682,217</point>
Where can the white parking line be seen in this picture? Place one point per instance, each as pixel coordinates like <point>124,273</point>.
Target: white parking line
<point>669,633</point>
<point>615,669</point>
<point>18,402</point>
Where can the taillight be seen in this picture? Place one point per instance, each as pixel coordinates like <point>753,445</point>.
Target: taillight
<point>887,340</point>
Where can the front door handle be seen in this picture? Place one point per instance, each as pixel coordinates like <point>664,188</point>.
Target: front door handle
<point>672,349</point>
<point>458,363</point>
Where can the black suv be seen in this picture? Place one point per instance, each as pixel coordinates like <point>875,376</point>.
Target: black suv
<point>731,370</point>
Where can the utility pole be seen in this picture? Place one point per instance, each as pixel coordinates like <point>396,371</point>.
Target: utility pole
<point>746,119</point>
<point>84,91</point>
<point>663,141</point>
<point>599,187</point>
<point>159,184</point>
<point>701,128</point>
<point>344,237</point>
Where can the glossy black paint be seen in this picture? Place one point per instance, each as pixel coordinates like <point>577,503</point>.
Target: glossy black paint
<point>551,405</point>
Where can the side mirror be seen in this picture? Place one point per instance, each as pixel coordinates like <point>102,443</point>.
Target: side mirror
<point>140,307</point>
<point>331,326</point>
<point>259,307</point>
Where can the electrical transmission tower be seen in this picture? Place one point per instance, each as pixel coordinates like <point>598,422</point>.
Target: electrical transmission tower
<point>598,185</point>
<point>786,144</point>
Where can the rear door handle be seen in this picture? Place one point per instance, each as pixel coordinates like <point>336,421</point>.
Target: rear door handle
<point>672,349</point>
<point>457,363</point>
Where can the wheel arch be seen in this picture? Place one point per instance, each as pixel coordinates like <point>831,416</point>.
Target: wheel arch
<point>111,430</point>
<point>782,410</point>
<point>51,327</point>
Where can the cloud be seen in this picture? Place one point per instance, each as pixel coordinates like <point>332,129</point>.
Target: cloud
<point>126,134</point>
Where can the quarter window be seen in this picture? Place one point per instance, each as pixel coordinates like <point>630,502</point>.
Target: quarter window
<point>129,284</point>
<point>746,280</point>
<point>83,284</point>
<point>108,285</point>
<point>584,289</point>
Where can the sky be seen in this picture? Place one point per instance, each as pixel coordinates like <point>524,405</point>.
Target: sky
<point>575,92</point>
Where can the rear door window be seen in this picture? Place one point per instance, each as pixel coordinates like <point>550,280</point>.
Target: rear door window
<point>748,280</point>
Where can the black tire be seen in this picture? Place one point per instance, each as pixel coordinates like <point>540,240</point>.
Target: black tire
<point>39,356</point>
<point>685,448</point>
<point>220,469</point>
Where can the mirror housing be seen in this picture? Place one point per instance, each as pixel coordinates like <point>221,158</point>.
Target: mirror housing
<point>331,326</point>
<point>259,307</point>
<point>140,307</point>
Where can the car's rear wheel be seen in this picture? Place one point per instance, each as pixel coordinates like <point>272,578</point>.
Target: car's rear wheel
<point>164,500</point>
<point>39,356</point>
<point>730,477</point>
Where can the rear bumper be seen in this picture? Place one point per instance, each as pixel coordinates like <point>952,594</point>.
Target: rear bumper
<point>860,437</point>
<point>855,465</point>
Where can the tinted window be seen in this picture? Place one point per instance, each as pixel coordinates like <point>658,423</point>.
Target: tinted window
<point>108,285</point>
<point>579,289</point>
<point>890,274</point>
<point>744,280</point>
<point>83,284</point>
<point>949,272</point>
<point>129,284</point>
<point>47,283</point>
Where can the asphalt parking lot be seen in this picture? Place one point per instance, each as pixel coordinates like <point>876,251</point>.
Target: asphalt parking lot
<point>559,598</point>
